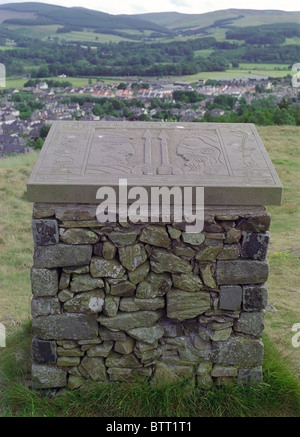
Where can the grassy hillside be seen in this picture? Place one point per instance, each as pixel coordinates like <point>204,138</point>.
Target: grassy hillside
<point>278,396</point>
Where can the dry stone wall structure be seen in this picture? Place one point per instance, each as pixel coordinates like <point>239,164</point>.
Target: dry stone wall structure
<point>116,300</point>
<point>120,298</point>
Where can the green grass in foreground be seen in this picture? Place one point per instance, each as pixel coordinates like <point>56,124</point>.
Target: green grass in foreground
<point>278,395</point>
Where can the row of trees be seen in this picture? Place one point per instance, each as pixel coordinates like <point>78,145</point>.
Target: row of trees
<point>136,58</point>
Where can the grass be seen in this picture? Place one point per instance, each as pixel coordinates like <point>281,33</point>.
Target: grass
<point>278,396</point>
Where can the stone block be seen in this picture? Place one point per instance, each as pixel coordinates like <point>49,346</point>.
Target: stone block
<point>132,256</point>
<point>193,238</point>
<point>147,335</point>
<point>154,285</point>
<point>78,236</point>
<point>230,297</point>
<point>101,350</point>
<point>44,306</point>
<point>240,272</point>
<point>238,351</point>
<point>220,371</point>
<point>163,261</point>
<point>93,368</point>
<point>61,255</point>
<point>103,268</point>
<point>111,306</point>
<point>44,282</point>
<point>187,282</point>
<point>43,351</point>
<point>90,302</point>
<point>129,361</point>
<point>65,327</point>
<point>251,323</point>
<point>255,297</point>
<point>183,305</point>
<point>255,245</point>
<point>155,236</point>
<point>108,250</point>
<point>138,275</point>
<point>45,232</point>
<point>85,282</point>
<point>45,376</point>
<point>122,238</point>
<point>126,321</point>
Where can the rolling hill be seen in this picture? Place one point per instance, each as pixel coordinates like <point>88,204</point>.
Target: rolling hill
<point>41,20</point>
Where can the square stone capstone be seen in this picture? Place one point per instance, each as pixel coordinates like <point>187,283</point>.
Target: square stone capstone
<point>229,160</point>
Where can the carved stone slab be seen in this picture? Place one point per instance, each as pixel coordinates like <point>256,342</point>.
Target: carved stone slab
<point>228,160</point>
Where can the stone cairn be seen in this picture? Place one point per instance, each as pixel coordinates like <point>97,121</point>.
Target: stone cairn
<point>113,301</point>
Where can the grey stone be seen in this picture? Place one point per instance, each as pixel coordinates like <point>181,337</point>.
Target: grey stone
<point>255,297</point>
<point>75,382</point>
<point>44,282</point>
<point>221,334</point>
<point>250,376</point>
<point>155,285</point>
<point>259,222</point>
<point>182,305</point>
<point>46,376</point>
<point>74,352</point>
<point>219,370</point>
<point>255,245</point>
<point>78,236</point>
<point>93,368</point>
<point>78,270</point>
<point>43,351</point>
<point>65,295</point>
<point>43,306</point>
<point>163,261</point>
<point>90,302</point>
<point>107,335</point>
<point>229,251</point>
<point>64,281</point>
<point>111,306</point>
<point>123,374</point>
<point>45,232</point>
<point>242,272</point>
<point>123,238</point>
<point>124,347</point>
<point>147,335</point>
<point>149,304</point>
<point>209,250</point>
<point>184,250</point>
<point>156,236</point>
<point>101,350</point>
<point>233,236</point>
<point>163,375</point>
<point>207,276</point>
<point>126,321</point>
<point>68,361</point>
<point>103,268</point>
<point>194,238</point>
<point>132,256</point>
<point>62,255</point>
<point>251,323</point>
<point>117,360</point>
<point>108,250</point>
<point>125,288</point>
<point>85,283</point>
<point>241,351</point>
<point>230,297</point>
<point>65,327</point>
<point>127,304</point>
<point>187,282</point>
<point>138,275</point>
<point>174,233</point>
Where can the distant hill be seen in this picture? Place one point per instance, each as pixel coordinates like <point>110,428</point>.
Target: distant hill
<point>42,21</point>
<point>75,18</point>
<point>235,17</point>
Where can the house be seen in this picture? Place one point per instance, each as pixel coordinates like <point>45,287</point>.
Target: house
<point>217,112</point>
